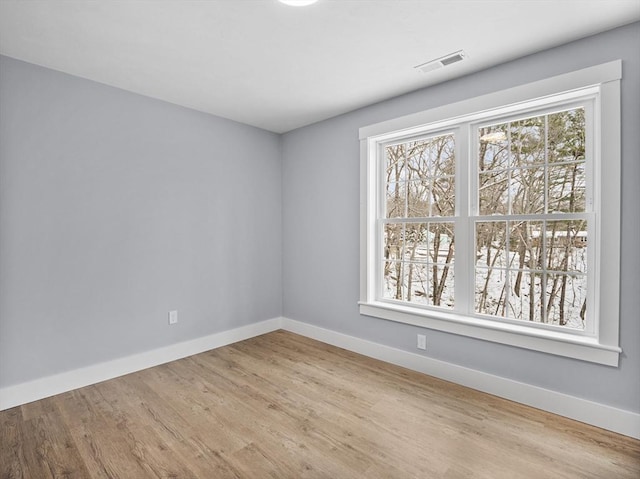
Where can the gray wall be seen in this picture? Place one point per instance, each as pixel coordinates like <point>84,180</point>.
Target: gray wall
<point>321,227</point>
<point>114,209</point>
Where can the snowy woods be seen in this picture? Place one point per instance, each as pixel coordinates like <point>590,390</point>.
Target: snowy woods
<point>529,228</point>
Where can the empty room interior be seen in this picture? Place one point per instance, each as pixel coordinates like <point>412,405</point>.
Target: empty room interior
<point>319,239</point>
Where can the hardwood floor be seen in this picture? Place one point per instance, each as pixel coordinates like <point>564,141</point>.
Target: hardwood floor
<point>284,406</point>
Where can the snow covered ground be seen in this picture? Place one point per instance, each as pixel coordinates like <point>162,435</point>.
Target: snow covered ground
<point>502,290</point>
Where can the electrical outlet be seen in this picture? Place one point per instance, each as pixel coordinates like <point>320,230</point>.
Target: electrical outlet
<point>173,317</point>
<point>422,341</point>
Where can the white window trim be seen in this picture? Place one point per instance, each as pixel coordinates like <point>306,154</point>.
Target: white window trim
<point>603,346</point>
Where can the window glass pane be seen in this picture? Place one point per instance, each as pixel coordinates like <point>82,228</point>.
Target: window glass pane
<point>525,298</point>
<point>527,191</point>
<point>418,264</point>
<point>419,159</point>
<point>442,279</point>
<point>566,300</point>
<point>441,242</point>
<point>418,286</point>
<point>566,188</point>
<point>566,246</point>
<point>494,148</point>
<point>415,247</point>
<point>418,199</point>
<point>525,244</point>
<point>396,195</point>
<point>393,241</point>
<point>525,163</point>
<point>491,243</point>
<point>393,286</point>
<point>528,142</point>
<point>490,293</point>
<point>493,193</point>
<point>395,164</point>
<point>420,178</point>
<point>443,193</point>
<point>443,159</point>
<point>431,157</point>
<point>566,136</point>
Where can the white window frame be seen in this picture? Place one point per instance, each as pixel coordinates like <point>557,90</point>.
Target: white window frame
<point>602,84</point>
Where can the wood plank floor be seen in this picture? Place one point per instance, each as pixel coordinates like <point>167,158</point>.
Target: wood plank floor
<point>284,406</point>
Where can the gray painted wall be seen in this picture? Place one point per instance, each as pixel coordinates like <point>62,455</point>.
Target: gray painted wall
<point>321,227</point>
<point>116,208</point>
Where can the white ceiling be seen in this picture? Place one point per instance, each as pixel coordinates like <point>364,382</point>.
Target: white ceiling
<point>277,67</point>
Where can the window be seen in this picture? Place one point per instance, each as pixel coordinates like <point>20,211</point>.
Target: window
<point>417,231</point>
<point>531,228</point>
<point>498,217</point>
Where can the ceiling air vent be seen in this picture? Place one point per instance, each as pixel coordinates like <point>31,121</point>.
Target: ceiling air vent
<point>441,62</point>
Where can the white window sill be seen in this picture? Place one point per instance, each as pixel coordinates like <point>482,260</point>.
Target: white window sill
<point>585,348</point>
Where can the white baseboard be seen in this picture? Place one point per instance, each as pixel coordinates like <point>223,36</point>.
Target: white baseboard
<point>48,386</point>
<point>596,414</point>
